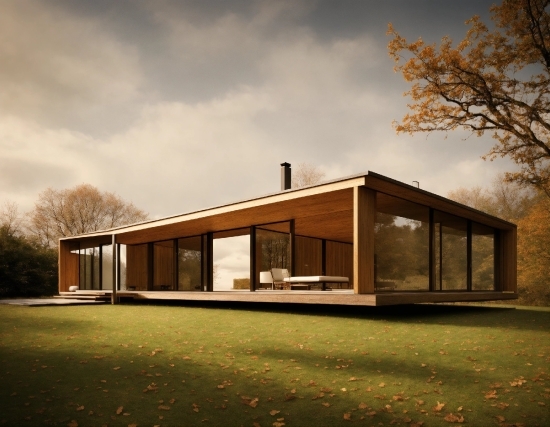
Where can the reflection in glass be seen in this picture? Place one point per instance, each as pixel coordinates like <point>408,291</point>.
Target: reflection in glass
<point>122,267</point>
<point>401,245</point>
<point>272,249</point>
<point>483,258</point>
<point>189,264</point>
<point>163,265</point>
<point>231,259</point>
<point>107,267</point>
<point>451,236</point>
<point>95,267</point>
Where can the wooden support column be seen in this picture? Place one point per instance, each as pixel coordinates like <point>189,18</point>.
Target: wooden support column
<point>150,266</point>
<point>469,276</point>
<point>324,262</point>
<point>364,211</point>
<point>292,248</point>
<point>252,258</point>
<point>207,262</point>
<point>508,261</point>
<point>176,266</point>
<point>432,251</point>
<point>114,298</point>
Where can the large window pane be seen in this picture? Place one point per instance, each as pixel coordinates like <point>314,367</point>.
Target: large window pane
<point>163,266</point>
<point>483,258</point>
<point>401,245</point>
<point>107,267</point>
<point>272,249</point>
<point>231,260</point>
<point>451,252</point>
<point>189,264</point>
<point>122,267</point>
<point>86,258</point>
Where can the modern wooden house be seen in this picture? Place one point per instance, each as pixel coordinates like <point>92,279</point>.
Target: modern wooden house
<point>394,243</point>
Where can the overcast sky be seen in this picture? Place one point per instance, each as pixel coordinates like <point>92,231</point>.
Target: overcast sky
<point>181,105</point>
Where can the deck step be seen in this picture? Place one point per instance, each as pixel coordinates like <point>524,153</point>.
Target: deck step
<point>72,295</point>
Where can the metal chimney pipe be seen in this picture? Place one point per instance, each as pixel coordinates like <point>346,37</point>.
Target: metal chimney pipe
<point>285,176</point>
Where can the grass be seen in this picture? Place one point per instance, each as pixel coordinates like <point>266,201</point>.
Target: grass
<point>273,365</point>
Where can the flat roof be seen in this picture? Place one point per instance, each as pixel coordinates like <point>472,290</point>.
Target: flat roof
<point>309,201</point>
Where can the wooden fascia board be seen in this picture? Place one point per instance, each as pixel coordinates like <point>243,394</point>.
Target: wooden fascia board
<point>415,195</point>
<point>266,200</point>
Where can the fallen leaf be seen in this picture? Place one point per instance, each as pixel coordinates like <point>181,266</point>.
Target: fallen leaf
<point>164,407</point>
<point>500,418</point>
<point>491,395</point>
<point>347,416</point>
<point>273,412</point>
<point>438,407</point>
<point>73,423</point>
<point>363,405</point>
<point>382,385</point>
<point>325,404</point>
<point>116,368</point>
<point>80,408</point>
<point>119,410</point>
<point>454,419</point>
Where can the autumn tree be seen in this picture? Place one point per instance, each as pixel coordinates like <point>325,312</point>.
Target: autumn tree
<point>506,200</point>
<point>494,81</point>
<point>534,255</point>
<point>305,174</point>
<point>78,210</point>
<point>10,218</point>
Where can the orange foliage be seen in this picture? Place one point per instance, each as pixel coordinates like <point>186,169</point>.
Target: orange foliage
<point>483,84</point>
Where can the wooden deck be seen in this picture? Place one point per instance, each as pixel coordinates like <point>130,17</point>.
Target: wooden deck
<point>334,297</point>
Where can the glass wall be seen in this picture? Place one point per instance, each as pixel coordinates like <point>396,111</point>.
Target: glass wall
<point>401,245</point>
<point>451,252</point>
<point>189,264</point>
<point>231,260</point>
<point>122,263</point>
<point>107,267</point>
<point>483,258</point>
<point>272,249</point>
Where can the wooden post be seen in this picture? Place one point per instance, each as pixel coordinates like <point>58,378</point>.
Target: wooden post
<point>114,298</point>
<point>252,258</point>
<point>324,262</point>
<point>364,210</point>
<point>469,277</point>
<point>150,266</point>
<point>508,261</point>
<point>431,251</point>
<point>207,262</point>
<point>176,266</point>
<point>292,248</point>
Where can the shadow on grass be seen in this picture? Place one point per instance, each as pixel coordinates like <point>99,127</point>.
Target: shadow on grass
<point>442,314</point>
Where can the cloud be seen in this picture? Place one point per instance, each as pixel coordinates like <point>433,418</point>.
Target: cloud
<point>188,105</point>
<point>61,69</point>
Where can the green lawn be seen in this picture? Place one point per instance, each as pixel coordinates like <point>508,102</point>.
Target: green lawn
<point>273,365</point>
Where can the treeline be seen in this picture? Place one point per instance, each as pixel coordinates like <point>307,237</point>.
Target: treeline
<point>28,241</point>
<point>530,210</point>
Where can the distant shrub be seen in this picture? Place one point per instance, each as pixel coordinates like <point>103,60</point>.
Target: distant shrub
<point>27,269</point>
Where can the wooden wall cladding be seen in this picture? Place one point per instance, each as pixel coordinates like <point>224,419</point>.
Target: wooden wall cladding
<point>68,266</point>
<point>163,267</point>
<point>339,260</point>
<point>308,257</point>
<point>136,267</point>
